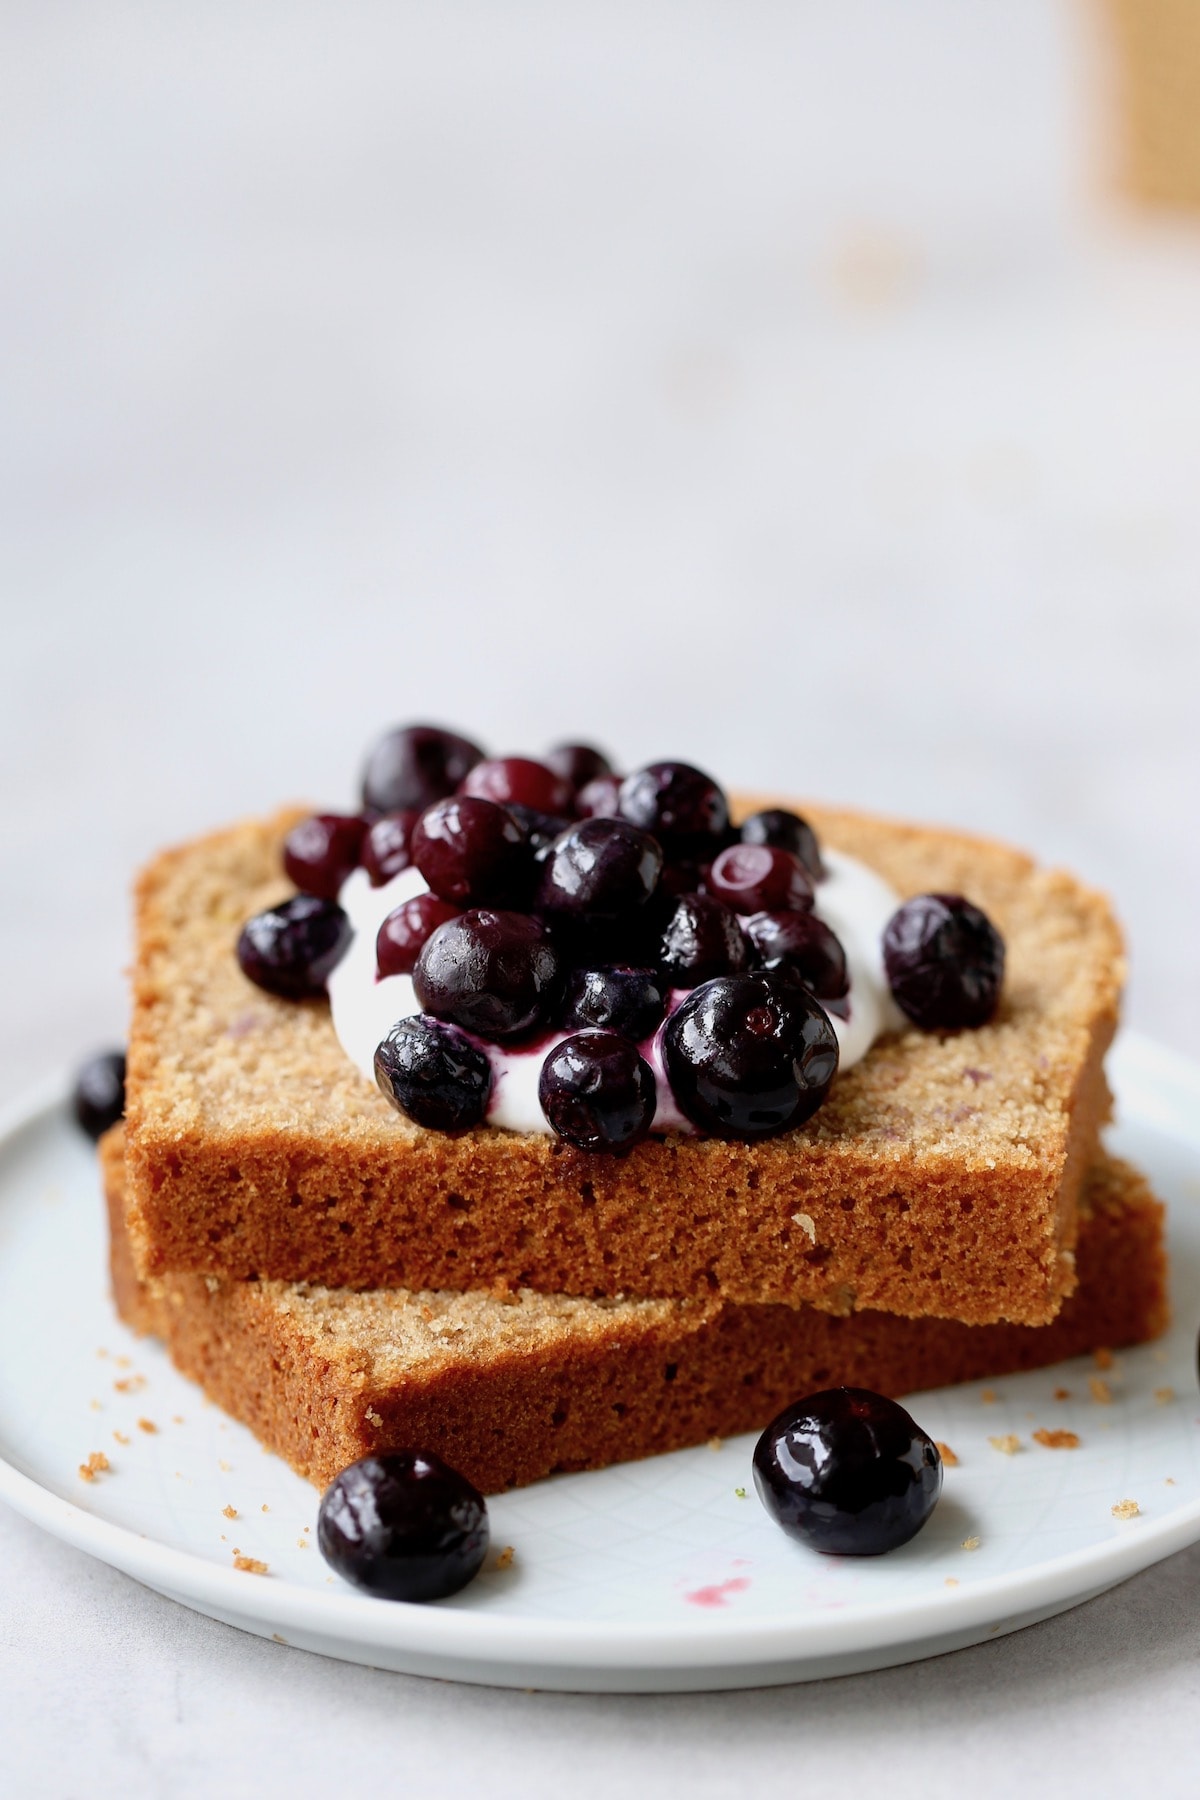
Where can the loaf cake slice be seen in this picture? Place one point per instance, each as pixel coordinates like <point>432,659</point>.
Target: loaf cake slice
<point>940,1177</point>
<point>510,1389</point>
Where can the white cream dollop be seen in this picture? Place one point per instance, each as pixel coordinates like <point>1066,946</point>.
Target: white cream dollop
<point>853,900</point>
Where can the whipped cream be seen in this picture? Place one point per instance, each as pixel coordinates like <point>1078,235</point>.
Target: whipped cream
<point>853,900</point>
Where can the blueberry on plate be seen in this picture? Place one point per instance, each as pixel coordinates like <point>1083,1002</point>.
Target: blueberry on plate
<point>291,950</point>
<point>750,1055</point>
<point>803,944</point>
<point>599,869</point>
<point>597,1092</point>
<point>471,851</point>
<point>945,962</point>
<point>783,830</point>
<point>434,1074</point>
<point>631,1001</point>
<point>757,878</point>
<point>402,936</point>
<point>578,763</point>
<point>519,781</point>
<point>494,973</point>
<point>403,1526</point>
<point>98,1099</point>
<point>848,1472</point>
<point>701,939</point>
<point>387,845</point>
<point>679,805</point>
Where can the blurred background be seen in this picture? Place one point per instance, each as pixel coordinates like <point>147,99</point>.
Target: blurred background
<point>797,390</point>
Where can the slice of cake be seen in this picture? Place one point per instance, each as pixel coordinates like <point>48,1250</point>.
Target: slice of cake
<point>510,1389</point>
<point>940,1176</point>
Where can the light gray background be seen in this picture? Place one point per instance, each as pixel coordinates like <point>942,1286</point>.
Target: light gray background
<point>771,385</point>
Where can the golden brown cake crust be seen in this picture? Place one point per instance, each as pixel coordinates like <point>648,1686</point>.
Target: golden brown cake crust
<point>941,1176</point>
<point>509,1390</point>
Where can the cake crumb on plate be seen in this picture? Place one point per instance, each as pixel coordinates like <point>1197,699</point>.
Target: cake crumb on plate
<point>1057,1440</point>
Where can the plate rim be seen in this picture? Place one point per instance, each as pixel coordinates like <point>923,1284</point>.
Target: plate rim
<point>458,1634</point>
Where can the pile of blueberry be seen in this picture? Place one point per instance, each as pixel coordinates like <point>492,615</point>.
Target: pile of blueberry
<point>564,898</point>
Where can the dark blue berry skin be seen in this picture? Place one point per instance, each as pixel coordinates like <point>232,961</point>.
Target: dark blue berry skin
<point>701,940</point>
<point>599,869</point>
<point>472,852</point>
<point>291,950</point>
<point>403,1526</point>
<point>679,805</point>
<point>320,852</point>
<point>945,962</point>
<point>848,1472</point>
<point>597,1092</point>
<point>98,1099</point>
<point>578,764</point>
<point>783,830</point>
<point>542,830</point>
<point>497,974</point>
<point>757,878</point>
<point>802,943</point>
<point>415,765</point>
<point>750,1055</point>
<point>387,846</point>
<point>631,1001</point>
<point>434,1074</point>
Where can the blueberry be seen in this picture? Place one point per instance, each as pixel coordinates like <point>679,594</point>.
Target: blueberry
<point>600,799</point>
<point>542,830</point>
<point>803,944</point>
<point>403,1526</point>
<point>599,869</point>
<point>400,938</point>
<point>494,973</point>
<point>749,1055</point>
<point>944,961</point>
<point>680,806</point>
<point>98,1099</point>
<point>415,765</point>
<point>471,851</point>
<point>701,939</point>
<point>520,781</point>
<point>597,1092</point>
<point>847,1472</point>
<point>291,950</point>
<point>782,830</point>
<point>631,1001</point>
<point>320,852</point>
<point>387,846</point>
<point>755,878</point>
<point>434,1074</point>
<point>578,763</point>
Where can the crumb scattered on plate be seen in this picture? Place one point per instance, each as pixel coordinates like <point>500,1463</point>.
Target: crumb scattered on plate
<point>988,1396</point>
<point>1008,1443</point>
<point>1062,1393</point>
<point>147,1425</point>
<point>1164,1395</point>
<point>121,1437</point>
<point>1057,1440</point>
<point>96,1464</point>
<point>1126,1509</point>
<point>947,1455</point>
<point>1100,1391</point>
<point>229,1512</point>
<point>250,1564</point>
<point>970,1543</point>
<point>504,1560</point>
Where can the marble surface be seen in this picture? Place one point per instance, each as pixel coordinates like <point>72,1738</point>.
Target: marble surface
<point>775,386</point>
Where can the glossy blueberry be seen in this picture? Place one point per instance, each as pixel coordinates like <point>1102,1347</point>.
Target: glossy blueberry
<point>542,830</point>
<point>387,846</point>
<point>578,763</point>
<point>848,1472</point>
<point>599,869</point>
<point>945,962</point>
<point>631,1001</point>
<point>98,1098</point>
<point>400,938</point>
<point>600,799</point>
<point>519,781</point>
<point>471,851</point>
<point>749,1055</point>
<point>680,806</point>
<point>755,878</point>
<point>597,1092</point>
<point>434,1074</point>
<point>291,950</point>
<point>701,939</point>
<point>782,830</point>
<point>320,852</point>
<point>803,943</point>
<point>403,1526</point>
<point>415,765</point>
<point>496,974</point>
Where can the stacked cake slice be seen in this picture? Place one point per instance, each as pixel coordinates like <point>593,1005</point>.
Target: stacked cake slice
<point>345,1281</point>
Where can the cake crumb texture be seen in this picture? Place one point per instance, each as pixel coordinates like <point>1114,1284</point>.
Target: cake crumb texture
<point>511,1390</point>
<point>941,1176</point>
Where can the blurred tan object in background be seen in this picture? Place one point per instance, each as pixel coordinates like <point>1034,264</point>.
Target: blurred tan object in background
<point>1158,75</point>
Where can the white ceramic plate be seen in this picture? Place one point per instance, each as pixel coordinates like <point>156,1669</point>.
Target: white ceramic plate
<point>653,1577</point>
